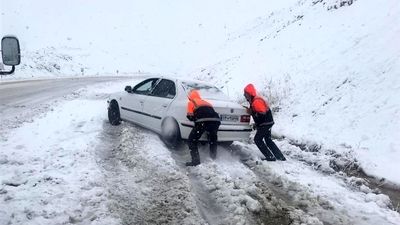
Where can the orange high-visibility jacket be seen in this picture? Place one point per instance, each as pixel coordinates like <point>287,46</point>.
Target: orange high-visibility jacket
<point>195,102</point>
<point>200,109</point>
<point>261,112</point>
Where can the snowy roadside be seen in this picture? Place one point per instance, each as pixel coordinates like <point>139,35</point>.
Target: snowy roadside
<point>22,101</point>
<point>49,174</point>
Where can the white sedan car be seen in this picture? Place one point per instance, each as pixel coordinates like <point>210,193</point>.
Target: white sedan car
<point>159,104</point>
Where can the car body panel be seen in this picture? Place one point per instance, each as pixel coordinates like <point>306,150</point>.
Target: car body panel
<point>157,108</point>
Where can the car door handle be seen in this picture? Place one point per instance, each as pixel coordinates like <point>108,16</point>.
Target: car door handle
<point>164,105</point>
<point>141,102</point>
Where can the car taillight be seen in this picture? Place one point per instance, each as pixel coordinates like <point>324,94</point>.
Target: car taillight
<point>245,118</point>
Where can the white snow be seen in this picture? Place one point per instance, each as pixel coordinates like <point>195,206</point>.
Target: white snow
<point>52,175</point>
<point>309,187</point>
<point>49,173</point>
<point>128,36</point>
<point>330,69</point>
<point>333,74</point>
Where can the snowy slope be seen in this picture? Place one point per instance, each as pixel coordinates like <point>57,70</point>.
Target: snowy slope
<point>330,69</point>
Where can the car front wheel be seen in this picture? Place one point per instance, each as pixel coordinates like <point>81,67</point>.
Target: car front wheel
<point>113,113</point>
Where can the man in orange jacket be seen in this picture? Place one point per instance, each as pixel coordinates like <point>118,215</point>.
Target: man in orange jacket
<point>263,120</point>
<point>205,118</point>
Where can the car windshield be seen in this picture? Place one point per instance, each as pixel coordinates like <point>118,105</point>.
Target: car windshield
<point>206,91</point>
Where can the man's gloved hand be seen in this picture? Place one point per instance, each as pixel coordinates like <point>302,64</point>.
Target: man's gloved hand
<point>190,117</point>
<point>248,110</point>
<point>253,126</point>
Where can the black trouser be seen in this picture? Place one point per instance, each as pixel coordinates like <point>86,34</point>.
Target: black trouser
<point>212,128</point>
<point>264,134</point>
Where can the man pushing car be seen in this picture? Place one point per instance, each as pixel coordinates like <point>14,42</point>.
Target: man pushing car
<point>264,121</point>
<point>205,118</point>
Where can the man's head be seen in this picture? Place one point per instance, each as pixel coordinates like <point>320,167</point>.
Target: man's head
<point>249,92</point>
<point>193,94</point>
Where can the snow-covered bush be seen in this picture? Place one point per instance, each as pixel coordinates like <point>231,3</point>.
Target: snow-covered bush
<point>276,91</point>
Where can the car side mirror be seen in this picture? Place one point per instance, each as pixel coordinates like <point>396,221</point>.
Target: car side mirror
<point>10,53</point>
<point>128,89</point>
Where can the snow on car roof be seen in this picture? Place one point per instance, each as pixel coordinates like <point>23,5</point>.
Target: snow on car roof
<point>207,90</point>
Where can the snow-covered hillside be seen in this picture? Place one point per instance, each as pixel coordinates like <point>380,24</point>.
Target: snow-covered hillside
<point>331,68</point>
<point>128,36</point>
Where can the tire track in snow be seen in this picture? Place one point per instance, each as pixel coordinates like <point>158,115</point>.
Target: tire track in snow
<point>208,207</point>
<point>229,186</point>
<point>144,183</point>
<point>141,181</point>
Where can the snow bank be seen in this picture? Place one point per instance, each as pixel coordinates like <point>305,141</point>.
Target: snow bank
<point>330,197</point>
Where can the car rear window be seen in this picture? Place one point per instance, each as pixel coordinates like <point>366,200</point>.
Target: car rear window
<point>206,91</point>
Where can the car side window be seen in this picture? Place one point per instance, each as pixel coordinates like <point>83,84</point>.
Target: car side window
<point>165,89</point>
<point>145,87</point>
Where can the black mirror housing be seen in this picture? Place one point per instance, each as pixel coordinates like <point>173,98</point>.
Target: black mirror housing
<point>128,89</point>
<point>10,51</point>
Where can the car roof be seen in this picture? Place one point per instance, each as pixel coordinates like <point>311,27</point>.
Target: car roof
<point>178,79</point>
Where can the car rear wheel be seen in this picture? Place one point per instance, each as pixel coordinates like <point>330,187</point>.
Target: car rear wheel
<point>113,113</point>
<point>170,132</point>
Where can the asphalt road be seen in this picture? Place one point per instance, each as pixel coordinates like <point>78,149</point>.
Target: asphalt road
<point>22,100</point>
<point>23,94</point>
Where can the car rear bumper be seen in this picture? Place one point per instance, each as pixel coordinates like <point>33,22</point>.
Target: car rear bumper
<point>225,132</point>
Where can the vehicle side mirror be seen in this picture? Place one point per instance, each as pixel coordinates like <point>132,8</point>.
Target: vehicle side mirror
<point>10,51</point>
<point>128,89</point>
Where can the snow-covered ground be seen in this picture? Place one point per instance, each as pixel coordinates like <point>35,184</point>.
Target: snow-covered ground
<point>329,68</point>
<point>70,165</point>
<point>49,174</point>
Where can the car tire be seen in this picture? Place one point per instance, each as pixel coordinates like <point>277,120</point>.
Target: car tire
<point>114,117</point>
<point>170,132</point>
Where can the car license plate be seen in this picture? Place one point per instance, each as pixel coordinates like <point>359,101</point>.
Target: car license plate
<point>230,118</point>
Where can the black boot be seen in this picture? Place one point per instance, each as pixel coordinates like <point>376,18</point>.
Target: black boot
<point>195,158</point>
<point>213,151</point>
<point>269,159</point>
<point>275,150</point>
<point>282,158</point>
<point>213,154</point>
